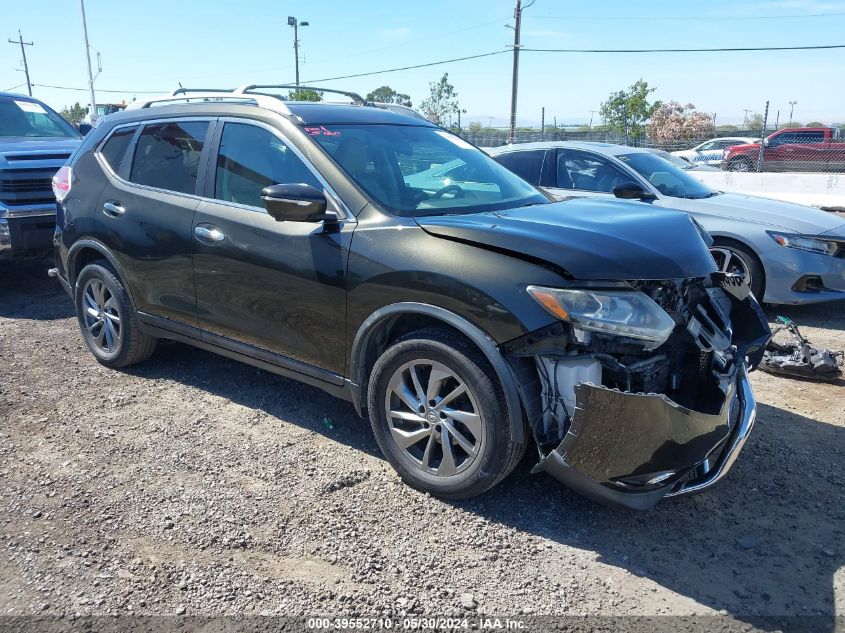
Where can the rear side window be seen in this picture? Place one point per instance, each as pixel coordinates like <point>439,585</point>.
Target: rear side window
<point>252,158</point>
<point>114,148</point>
<point>527,165</point>
<point>167,155</point>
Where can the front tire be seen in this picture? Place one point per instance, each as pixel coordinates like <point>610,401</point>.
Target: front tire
<point>107,318</point>
<point>737,259</point>
<point>439,416</point>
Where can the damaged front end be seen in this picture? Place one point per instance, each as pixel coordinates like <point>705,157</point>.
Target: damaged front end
<point>643,390</point>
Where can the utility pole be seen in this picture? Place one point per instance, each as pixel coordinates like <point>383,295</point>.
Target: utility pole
<point>543,123</point>
<point>761,156</point>
<point>517,14</point>
<point>92,113</point>
<point>292,21</point>
<point>23,55</point>
<point>592,112</point>
<point>791,108</point>
<point>745,118</point>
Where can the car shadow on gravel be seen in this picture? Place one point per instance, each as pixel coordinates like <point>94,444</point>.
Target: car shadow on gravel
<point>26,292</point>
<point>279,397</point>
<point>766,542</point>
<point>822,315</point>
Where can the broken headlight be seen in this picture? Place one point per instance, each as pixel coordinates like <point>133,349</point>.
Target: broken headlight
<point>622,312</point>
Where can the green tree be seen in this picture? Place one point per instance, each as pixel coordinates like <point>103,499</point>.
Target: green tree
<point>629,109</point>
<point>442,102</point>
<point>386,94</point>
<point>304,94</point>
<point>475,127</point>
<point>815,124</point>
<point>754,122</point>
<point>727,128</point>
<point>74,114</point>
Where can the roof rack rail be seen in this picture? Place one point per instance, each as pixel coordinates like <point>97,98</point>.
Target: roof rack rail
<point>254,88</point>
<point>197,95</point>
<point>181,91</point>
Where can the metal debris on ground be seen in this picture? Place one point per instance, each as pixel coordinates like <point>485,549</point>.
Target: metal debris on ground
<point>798,358</point>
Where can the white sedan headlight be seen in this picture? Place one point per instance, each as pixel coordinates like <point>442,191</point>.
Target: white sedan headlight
<point>804,243</point>
<point>622,312</point>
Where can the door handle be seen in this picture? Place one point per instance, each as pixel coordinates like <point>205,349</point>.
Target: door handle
<point>208,233</point>
<point>113,209</point>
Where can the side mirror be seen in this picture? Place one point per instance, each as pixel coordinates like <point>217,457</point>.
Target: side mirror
<point>632,191</point>
<point>766,142</point>
<point>84,128</point>
<point>296,203</point>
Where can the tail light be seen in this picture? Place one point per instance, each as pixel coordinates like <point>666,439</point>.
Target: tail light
<point>62,182</point>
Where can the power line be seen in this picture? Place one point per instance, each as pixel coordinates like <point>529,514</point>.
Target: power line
<point>683,50</point>
<point>128,92</point>
<point>527,50</point>
<point>14,87</point>
<point>686,18</point>
<point>393,70</point>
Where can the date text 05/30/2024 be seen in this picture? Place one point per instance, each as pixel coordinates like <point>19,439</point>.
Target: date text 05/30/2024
<point>415,623</point>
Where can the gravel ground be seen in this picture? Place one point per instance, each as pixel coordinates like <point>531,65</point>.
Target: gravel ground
<point>194,484</point>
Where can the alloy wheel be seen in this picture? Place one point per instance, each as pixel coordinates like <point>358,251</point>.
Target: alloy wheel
<point>101,316</point>
<point>433,417</point>
<point>729,261</point>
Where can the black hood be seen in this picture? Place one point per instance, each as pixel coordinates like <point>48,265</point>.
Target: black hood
<point>590,239</point>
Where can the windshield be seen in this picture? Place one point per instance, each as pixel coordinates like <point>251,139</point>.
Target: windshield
<point>19,117</point>
<point>665,177</point>
<point>677,161</point>
<point>415,171</point>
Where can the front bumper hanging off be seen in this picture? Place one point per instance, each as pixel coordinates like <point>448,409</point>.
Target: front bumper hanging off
<point>632,450</point>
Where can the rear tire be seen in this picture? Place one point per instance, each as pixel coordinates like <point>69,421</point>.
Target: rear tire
<point>740,164</point>
<point>108,320</point>
<point>452,446</point>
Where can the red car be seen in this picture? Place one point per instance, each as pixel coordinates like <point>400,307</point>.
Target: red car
<point>790,149</point>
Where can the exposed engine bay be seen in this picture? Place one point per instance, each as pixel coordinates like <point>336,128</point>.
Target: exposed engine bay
<point>668,408</point>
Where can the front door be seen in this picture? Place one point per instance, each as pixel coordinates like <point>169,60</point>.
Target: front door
<point>584,174</point>
<point>269,285</point>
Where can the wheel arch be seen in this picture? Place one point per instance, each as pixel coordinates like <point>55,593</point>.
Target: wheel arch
<point>83,252</point>
<point>727,239</point>
<point>389,323</point>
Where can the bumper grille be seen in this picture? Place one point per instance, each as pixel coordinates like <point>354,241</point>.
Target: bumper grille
<point>26,187</point>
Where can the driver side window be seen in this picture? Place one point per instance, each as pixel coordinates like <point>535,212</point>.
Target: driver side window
<point>251,158</point>
<point>582,171</point>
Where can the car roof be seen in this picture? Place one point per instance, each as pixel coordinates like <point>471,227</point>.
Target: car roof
<point>300,112</point>
<point>317,112</point>
<point>17,97</point>
<point>595,146</point>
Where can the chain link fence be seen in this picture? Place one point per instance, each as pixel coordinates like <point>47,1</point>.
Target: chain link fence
<point>817,149</point>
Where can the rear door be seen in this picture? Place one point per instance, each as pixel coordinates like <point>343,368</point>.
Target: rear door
<point>528,164</point>
<point>146,211</point>
<point>261,284</point>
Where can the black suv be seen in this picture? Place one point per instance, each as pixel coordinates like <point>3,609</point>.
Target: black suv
<point>390,263</point>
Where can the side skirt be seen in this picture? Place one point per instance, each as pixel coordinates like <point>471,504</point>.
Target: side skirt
<point>329,382</point>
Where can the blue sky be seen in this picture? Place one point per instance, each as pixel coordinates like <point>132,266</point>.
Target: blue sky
<point>154,44</point>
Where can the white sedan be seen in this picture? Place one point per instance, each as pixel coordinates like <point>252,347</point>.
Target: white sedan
<point>711,152</point>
